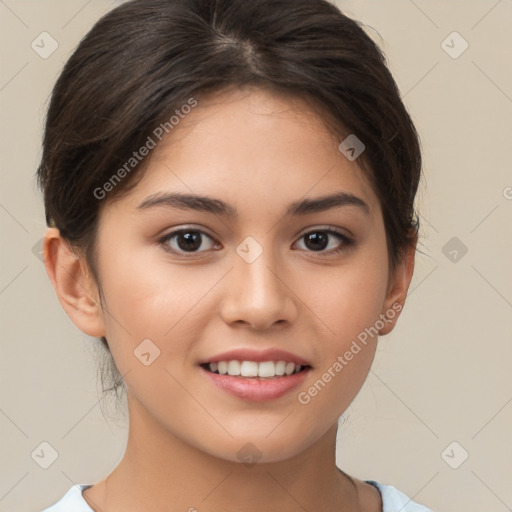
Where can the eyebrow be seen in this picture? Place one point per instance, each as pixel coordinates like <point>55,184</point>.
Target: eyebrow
<point>216,206</point>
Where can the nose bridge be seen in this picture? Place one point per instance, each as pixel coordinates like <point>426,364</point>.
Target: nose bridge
<point>257,293</point>
<point>256,267</point>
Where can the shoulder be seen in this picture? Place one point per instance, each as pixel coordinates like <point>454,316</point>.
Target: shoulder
<point>394,500</point>
<point>72,501</point>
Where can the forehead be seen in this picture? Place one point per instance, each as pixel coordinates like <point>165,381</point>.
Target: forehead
<point>252,145</point>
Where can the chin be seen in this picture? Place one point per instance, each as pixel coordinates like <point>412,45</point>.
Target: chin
<point>259,449</point>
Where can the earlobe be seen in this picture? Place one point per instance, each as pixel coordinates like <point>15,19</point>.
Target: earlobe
<point>398,288</point>
<point>76,290</point>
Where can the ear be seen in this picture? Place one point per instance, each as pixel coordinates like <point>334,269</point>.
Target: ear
<point>73,283</point>
<point>399,282</point>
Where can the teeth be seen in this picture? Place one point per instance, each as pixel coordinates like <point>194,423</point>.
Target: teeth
<point>290,368</point>
<point>265,369</point>
<point>249,369</point>
<point>280,367</point>
<point>233,367</point>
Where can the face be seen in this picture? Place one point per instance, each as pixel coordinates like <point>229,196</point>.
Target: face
<point>259,270</point>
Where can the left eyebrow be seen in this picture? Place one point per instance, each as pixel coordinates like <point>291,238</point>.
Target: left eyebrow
<point>219,207</point>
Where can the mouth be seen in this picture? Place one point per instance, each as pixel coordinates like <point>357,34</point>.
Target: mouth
<point>256,381</point>
<point>256,375</point>
<point>256,370</point>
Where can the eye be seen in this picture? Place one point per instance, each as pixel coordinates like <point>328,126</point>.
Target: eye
<point>318,241</point>
<point>192,241</point>
<point>186,240</point>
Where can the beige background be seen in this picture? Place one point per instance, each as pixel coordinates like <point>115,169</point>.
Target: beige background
<point>443,375</point>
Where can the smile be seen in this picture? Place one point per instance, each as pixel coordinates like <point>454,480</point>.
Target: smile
<point>253,381</point>
<point>254,369</point>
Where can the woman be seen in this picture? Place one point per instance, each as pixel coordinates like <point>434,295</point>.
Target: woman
<point>229,187</point>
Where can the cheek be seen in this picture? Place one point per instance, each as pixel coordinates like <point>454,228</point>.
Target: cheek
<point>148,292</point>
<point>147,297</point>
<point>349,302</point>
<point>350,307</point>
<point>348,299</point>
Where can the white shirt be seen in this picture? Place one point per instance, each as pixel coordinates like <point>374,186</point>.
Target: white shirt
<point>393,500</point>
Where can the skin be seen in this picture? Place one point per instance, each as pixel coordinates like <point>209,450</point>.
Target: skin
<point>259,152</point>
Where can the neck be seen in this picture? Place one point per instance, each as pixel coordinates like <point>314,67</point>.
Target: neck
<point>160,471</point>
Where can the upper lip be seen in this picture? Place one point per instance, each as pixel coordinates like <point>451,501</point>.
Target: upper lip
<point>250,354</point>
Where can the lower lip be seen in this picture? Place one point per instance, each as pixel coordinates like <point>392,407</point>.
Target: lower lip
<point>257,390</point>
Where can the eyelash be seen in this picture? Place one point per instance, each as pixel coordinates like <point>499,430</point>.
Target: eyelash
<point>347,242</point>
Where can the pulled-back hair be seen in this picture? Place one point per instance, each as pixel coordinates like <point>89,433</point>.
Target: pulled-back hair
<point>145,59</point>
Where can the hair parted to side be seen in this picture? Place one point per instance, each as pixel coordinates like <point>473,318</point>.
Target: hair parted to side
<point>146,58</point>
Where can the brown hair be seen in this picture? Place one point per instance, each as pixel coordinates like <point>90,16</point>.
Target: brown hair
<point>145,59</point>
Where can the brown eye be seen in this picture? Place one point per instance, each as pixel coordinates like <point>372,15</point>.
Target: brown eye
<point>187,241</point>
<point>319,241</point>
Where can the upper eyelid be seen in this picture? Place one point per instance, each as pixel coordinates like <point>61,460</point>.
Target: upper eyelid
<point>331,229</point>
<point>336,230</point>
<point>177,231</point>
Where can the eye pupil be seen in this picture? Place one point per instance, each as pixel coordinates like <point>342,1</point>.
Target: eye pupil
<point>315,238</point>
<point>192,238</point>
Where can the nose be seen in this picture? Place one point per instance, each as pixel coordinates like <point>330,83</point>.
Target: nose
<point>259,294</point>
